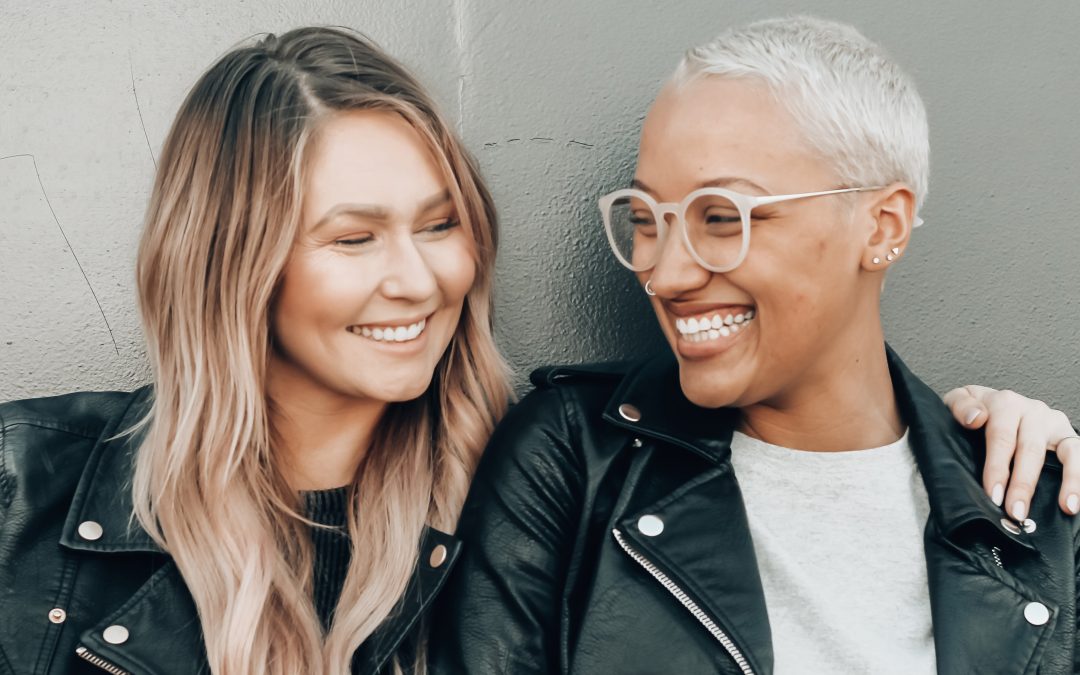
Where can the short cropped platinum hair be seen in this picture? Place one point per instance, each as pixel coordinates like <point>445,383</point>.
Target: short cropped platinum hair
<point>855,105</point>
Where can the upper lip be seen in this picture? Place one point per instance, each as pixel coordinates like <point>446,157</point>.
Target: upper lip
<point>687,309</point>
<point>395,323</point>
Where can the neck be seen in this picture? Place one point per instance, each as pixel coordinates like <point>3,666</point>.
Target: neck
<point>321,436</point>
<point>844,402</point>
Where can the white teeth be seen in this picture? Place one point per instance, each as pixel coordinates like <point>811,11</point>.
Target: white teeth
<point>706,328</point>
<point>391,333</point>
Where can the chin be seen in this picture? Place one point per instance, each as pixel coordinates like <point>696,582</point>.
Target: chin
<point>404,391</point>
<point>704,390</point>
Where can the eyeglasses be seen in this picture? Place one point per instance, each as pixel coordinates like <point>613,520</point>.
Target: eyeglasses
<point>716,224</point>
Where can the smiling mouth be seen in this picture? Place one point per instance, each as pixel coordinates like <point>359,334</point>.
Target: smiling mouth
<point>713,326</point>
<point>390,333</point>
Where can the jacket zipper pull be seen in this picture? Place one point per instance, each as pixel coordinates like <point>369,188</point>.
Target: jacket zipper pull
<point>89,656</point>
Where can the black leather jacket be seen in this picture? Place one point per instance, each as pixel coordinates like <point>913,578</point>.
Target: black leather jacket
<point>82,589</point>
<point>555,576</point>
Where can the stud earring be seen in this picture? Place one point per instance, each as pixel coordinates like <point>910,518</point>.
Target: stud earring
<point>877,261</point>
<point>890,257</point>
<point>896,251</point>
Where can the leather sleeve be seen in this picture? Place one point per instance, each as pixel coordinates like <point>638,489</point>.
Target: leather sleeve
<point>502,609</point>
<point>1076,607</point>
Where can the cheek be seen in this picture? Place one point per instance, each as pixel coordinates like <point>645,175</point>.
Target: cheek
<point>321,290</point>
<point>454,266</point>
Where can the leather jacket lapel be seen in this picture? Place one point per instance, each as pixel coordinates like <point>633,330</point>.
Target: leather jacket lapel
<point>159,627</point>
<point>978,611</point>
<point>945,453</point>
<point>979,606</point>
<point>438,554</point>
<point>704,548</point>
<point>104,493</point>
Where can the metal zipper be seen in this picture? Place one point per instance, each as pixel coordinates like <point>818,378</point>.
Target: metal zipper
<point>689,604</point>
<point>996,552</point>
<point>87,655</point>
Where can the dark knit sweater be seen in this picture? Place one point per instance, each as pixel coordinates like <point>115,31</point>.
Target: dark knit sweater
<point>332,547</point>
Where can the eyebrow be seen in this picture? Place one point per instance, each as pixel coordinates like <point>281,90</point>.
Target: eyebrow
<point>376,211</point>
<point>726,181</point>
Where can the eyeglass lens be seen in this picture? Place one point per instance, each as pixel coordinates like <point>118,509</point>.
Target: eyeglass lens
<point>713,226</point>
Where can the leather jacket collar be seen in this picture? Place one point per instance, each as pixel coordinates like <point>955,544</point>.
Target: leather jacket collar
<point>707,514</point>
<point>165,633</point>
<point>943,451</point>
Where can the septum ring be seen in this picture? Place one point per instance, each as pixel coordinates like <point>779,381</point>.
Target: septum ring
<point>648,288</point>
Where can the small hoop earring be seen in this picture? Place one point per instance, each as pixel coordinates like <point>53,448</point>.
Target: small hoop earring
<point>648,288</point>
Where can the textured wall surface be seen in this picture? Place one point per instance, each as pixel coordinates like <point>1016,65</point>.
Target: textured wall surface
<point>550,97</point>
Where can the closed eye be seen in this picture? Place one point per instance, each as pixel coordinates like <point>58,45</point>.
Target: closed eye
<point>355,241</point>
<point>442,226</point>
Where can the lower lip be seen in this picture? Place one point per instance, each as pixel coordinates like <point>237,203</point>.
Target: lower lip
<point>708,348</point>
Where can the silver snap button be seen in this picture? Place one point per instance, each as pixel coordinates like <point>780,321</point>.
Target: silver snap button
<point>650,526</point>
<point>1010,525</point>
<point>116,635</point>
<point>629,412</point>
<point>57,615</point>
<point>1036,613</point>
<point>438,556</point>
<point>90,531</point>
<point>637,443</point>
<point>1029,526</point>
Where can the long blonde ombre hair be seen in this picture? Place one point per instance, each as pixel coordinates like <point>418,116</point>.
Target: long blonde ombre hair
<point>208,486</point>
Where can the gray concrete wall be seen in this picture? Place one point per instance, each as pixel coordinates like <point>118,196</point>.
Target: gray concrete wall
<point>549,96</point>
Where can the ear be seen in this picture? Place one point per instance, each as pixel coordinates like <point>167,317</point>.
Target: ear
<point>892,215</point>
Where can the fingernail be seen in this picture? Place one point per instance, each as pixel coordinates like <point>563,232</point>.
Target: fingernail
<point>972,414</point>
<point>1019,510</point>
<point>997,494</point>
<point>1073,504</point>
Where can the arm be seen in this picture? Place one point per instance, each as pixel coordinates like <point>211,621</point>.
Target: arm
<point>1019,432</point>
<point>501,610</point>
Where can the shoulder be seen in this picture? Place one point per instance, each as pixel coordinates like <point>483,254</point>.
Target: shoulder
<point>565,396</point>
<point>546,430</point>
<point>45,438</point>
<point>78,414</point>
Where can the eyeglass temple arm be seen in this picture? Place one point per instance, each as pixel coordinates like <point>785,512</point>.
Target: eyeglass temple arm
<point>772,199</point>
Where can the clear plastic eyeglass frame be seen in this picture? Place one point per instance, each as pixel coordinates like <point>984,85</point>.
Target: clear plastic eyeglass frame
<point>745,204</point>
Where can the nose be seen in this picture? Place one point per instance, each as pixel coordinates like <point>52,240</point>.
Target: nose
<point>676,271</point>
<point>408,276</point>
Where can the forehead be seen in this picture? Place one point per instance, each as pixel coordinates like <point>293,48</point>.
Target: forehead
<point>371,157</point>
<point>715,127</point>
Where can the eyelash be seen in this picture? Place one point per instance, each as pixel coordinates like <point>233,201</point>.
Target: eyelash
<point>437,228</point>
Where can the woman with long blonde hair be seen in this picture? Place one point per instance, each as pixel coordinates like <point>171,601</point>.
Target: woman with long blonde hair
<point>315,286</point>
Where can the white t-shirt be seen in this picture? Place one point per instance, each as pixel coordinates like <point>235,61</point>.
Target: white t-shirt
<point>839,542</point>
